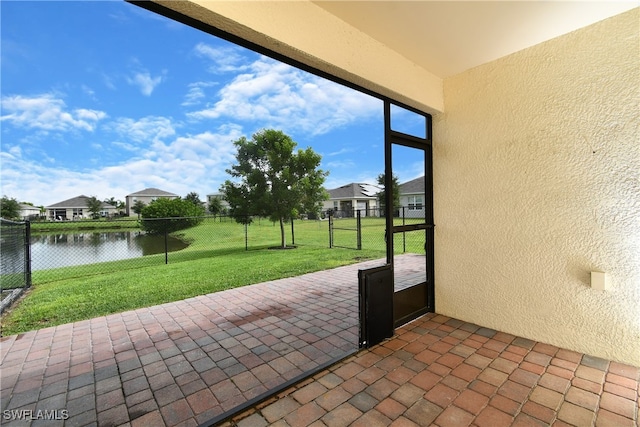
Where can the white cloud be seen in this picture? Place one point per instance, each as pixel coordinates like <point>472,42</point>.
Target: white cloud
<point>277,95</point>
<point>89,115</point>
<point>411,171</point>
<point>207,149</point>
<point>125,146</point>
<point>196,93</point>
<point>88,91</point>
<point>37,188</point>
<point>15,151</point>
<point>145,82</point>
<point>182,165</point>
<point>343,164</point>
<point>109,81</point>
<point>340,152</point>
<point>146,129</point>
<point>48,113</point>
<point>225,59</point>
<point>408,122</point>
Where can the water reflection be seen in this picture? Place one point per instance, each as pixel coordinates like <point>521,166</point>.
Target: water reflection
<point>63,250</point>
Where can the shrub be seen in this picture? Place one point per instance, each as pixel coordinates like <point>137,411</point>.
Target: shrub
<point>169,215</point>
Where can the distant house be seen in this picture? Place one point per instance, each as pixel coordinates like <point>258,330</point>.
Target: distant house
<point>28,212</point>
<point>412,198</point>
<point>75,208</point>
<point>351,197</point>
<point>223,203</point>
<point>146,196</point>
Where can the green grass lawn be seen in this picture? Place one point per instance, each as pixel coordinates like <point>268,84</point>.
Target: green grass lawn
<point>215,260</point>
<point>83,224</point>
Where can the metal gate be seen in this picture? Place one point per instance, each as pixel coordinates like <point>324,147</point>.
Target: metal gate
<point>15,260</point>
<point>345,231</point>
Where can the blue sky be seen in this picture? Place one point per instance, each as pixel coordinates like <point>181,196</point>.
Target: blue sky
<point>104,99</point>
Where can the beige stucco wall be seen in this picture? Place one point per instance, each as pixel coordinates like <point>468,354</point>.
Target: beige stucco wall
<point>537,183</point>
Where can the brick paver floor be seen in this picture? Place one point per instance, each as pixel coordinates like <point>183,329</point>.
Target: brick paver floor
<point>187,362</point>
<point>439,371</point>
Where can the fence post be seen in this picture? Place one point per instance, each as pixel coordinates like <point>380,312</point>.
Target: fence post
<point>27,253</point>
<point>330,230</point>
<point>166,245</point>
<point>404,237</point>
<point>359,229</point>
<point>293,237</point>
<point>246,233</point>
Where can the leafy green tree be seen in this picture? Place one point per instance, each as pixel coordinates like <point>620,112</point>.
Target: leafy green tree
<point>275,180</point>
<point>239,201</point>
<point>194,198</point>
<point>9,208</point>
<point>94,205</point>
<point>395,190</point>
<point>215,206</point>
<point>168,215</point>
<point>137,207</point>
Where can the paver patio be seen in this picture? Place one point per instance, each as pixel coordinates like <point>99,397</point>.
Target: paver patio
<point>439,371</point>
<point>188,362</point>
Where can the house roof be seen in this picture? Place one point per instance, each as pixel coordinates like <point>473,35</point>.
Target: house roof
<point>151,192</point>
<point>24,207</point>
<point>415,186</point>
<point>76,202</point>
<point>354,191</point>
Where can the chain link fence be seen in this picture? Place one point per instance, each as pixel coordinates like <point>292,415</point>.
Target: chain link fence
<point>62,249</point>
<point>89,247</point>
<point>366,229</point>
<point>15,269</point>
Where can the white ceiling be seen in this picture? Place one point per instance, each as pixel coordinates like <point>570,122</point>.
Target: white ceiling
<point>448,37</point>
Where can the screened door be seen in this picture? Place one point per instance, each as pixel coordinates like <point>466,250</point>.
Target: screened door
<point>409,211</point>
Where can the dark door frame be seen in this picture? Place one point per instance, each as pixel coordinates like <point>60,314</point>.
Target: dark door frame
<point>424,292</point>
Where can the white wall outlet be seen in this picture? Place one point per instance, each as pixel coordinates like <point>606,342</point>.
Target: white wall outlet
<point>599,280</point>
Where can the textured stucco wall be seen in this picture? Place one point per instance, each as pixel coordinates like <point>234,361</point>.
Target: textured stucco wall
<point>537,183</point>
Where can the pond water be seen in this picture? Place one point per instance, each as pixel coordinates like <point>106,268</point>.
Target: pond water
<point>63,250</point>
